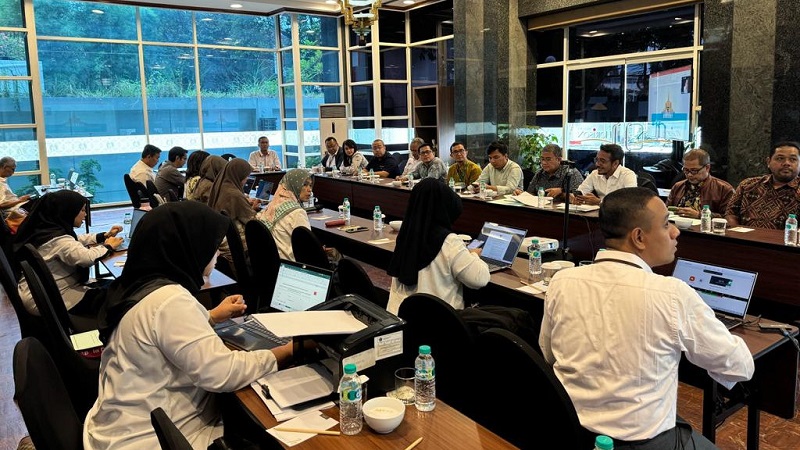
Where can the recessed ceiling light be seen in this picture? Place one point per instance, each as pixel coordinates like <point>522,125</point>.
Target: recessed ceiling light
<point>236,5</point>
<point>206,19</point>
<point>593,32</point>
<point>408,2</point>
<point>98,11</point>
<point>330,2</point>
<point>677,18</point>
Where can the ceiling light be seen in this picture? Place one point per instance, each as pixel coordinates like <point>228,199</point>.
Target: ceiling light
<point>678,18</point>
<point>593,32</point>
<point>330,2</point>
<point>236,5</point>
<point>408,2</point>
<point>361,23</point>
<point>98,11</point>
<point>206,19</point>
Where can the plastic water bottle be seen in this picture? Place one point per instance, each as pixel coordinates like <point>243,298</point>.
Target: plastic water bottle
<point>452,184</point>
<point>603,442</point>
<point>346,204</point>
<point>377,219</point>
<point>482,189</point>
<point>350,401</point>
<point>540,194</point>
<point>311,200</point>
<point>410,181</point>
<point>126,224</point>
<point>790,233</point>
<point>52,180</point>
<point>534,258</point>
<point>705,219</point>
<point>425,380</point>
<point>371,175</point>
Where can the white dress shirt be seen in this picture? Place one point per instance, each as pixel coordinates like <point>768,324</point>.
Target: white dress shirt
<point>7,195</point>
<point>411,164</point>
<point>165,354</point>
<point>269,161</point>
<point>601,186</point>
<point>615,331</point>
<point>506,179</point>
<point>141,172</point>
<point>453,267</point>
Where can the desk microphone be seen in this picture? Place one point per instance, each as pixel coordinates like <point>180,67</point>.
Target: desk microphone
<point>566,162</point>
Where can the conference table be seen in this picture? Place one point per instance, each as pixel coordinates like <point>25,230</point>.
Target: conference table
<point>771,390</point>
<point>759,250</point>
<point>115,262</point>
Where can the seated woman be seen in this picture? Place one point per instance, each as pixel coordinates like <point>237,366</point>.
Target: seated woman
<point>284,213</point>
<point>429,258</point>
<point>211,167</point>
<point>227,195</point>
<point>193,165</point>
<point>160,347</point>
<point>50,227</point>
<point>354,162</point>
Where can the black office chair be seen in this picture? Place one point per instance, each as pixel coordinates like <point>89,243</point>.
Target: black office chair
<point>79,374</point>
<point>530,383</point>
<point>51,419</point>
<point>241,269</point>
<point>308,249</point>
<point>527,177</point>
<point>29,325</point>
<point>136,191</point>
<point>72,323</point>
<point>431,321</point>
<point>644,179</point>
<point>351,278</point>
<point>228,156</point>
<point>152,193</point>
<point>169,436</point>
<point>264,262</point>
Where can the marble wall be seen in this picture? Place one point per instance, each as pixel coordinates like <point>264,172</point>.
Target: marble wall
<point>750,75</point>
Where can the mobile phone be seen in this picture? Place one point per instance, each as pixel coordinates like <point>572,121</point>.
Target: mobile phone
<point>476,243</point>
<point>772,326</point>
<point>357,229</point>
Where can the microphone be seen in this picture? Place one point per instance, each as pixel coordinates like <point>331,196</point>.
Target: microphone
<point>566,162</point>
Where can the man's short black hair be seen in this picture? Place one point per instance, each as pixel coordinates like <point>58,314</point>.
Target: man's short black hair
<point>425,144</point>
<point>150,150</point>
<point>784,144</point>
<point>616,152</point>
<point>623,210</point>
<point>176,152</point>
<point>499,146</point>
<point>456,143</point>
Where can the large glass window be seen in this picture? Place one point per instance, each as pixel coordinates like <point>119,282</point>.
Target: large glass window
<point>11,13</point>
<point>167,25</point>
<point>171,90</point>
<point>235,30</point>
<point>71,18</point>
<point>13,51</point>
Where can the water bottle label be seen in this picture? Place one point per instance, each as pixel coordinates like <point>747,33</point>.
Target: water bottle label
<point>537,254</point>
<point>351,395</point>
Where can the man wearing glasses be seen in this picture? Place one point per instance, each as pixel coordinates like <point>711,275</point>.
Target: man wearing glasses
<point>609,176</point>
<point>429,166</point>
<point>462,170</point>
<point>551,174</point>
<point>699,188</point>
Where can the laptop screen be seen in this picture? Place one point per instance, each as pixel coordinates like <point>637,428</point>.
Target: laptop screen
<point>300,286</point>
<point>73,178</point>
<point>501,242</point>
<point>725,290</point>
<point>264,190</point>
<point>135,218</point>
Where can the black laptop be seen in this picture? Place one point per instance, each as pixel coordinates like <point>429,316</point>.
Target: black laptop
<point>264,191</point>
<point>297,288</point>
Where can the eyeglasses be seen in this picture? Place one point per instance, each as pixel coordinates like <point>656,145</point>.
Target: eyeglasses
<point>692,171</point>
<point>548,159</point>
<point>463,150</point>
<point>601,161</point>
<point>425,152</point>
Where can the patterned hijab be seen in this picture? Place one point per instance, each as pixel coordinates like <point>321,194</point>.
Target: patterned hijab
<point>227,195</point>
<point>287,197</point>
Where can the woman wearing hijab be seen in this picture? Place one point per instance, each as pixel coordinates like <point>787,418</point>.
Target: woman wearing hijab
<point>211,167</point>
<point>50,227</point>
<point>193,165</point>
<point>227,195</point>
<point>284,212</point>
<point>353,162</point>
<point>429,258</point>
<point>160,347</point>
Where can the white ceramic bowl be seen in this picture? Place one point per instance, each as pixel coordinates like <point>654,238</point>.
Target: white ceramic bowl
<point>565,264</point>
<point>395,224</point>
<point>397,183</point>
<point>384,414</point>
<point>684,223</point>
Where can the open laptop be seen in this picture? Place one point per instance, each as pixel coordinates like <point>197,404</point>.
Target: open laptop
<point>135,218</point>
<point>500,244</point>
<point>727,291</point>
<point>248,185</point>
<point>298,287</point>
<point>73,179</point>
<point>264,191</point>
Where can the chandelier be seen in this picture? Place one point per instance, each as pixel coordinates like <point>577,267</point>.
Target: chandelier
<point>361,22</point>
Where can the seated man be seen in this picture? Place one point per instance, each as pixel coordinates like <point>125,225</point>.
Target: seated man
<point>766,201</point>
<point>169,177</point>
<point>430,166</point>
<point>699,188</point>
<point>9,202</point>
<point>551,175</point>
<point>462,170</point>
<point>501,174</point>
<point>615,332</point>
<point>413,156</point>
<point>264,157</point>
<point>383,164</point>
<point>609,176</point>
<point>333,156</point>
<point>143,169</point>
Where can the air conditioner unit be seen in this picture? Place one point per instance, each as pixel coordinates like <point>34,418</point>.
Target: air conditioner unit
<point>333,122</point>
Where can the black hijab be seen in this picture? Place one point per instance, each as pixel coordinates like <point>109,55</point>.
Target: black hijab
<point>172,245</point>
<point>432,209</point>
<point>52,216</point>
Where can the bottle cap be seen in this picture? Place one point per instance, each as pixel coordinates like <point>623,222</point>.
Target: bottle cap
<point>604,442</point>
<point>350,368</point>
<point>792,216</point>
<point>424,350</point>
<point>535,241</point>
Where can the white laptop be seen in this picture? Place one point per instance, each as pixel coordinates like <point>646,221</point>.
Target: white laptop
<point>500,244</point>
<point>727,291</point>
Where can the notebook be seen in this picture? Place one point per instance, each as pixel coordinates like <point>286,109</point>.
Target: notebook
<point>500,244</point>
<point>135,218</point>
<point>727,291</point>
<point>298,287</point>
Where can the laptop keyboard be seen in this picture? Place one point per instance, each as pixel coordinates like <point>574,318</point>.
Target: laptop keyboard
<point>493,266</point>
<point>729,322</point>
<point>254,326</point>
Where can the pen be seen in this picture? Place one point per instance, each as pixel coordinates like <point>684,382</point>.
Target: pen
<point>414,444</point>
<point>265,390</point>
<point>308,430</point>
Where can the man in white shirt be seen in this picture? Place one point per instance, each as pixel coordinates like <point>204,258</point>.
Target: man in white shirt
<point>413,156</point>
<point>614,331</point>
<point>609,176</point>
<point>501,174</point>
<point>143,169</point>
<point>9,202</point>
<point>333,156</point>
<point>264,157</point>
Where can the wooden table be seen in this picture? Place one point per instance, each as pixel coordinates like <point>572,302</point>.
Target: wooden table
<point>214,281</point>
<point>442,428</point>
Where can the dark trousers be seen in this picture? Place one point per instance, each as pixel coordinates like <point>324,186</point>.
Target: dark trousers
<point>682,437</point>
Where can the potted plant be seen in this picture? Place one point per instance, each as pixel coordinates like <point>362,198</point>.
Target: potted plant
<point>530,140</point>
